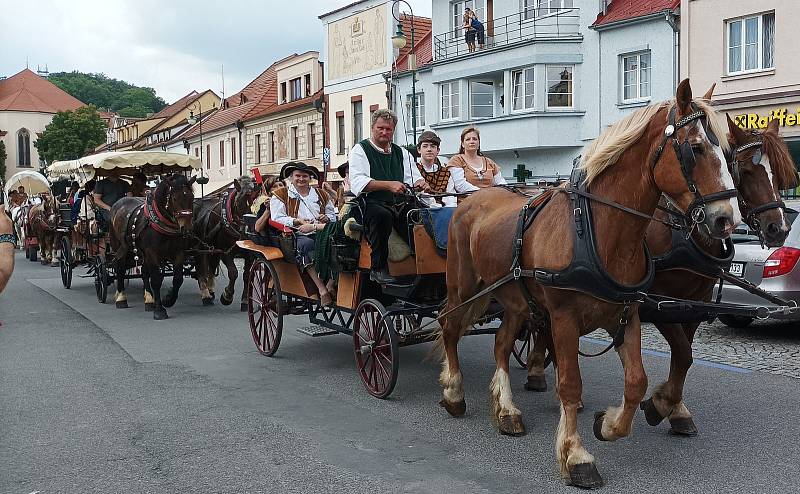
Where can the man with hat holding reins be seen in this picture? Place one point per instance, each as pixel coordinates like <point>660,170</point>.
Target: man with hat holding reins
<point>381,171</point>
<point>305,209</point>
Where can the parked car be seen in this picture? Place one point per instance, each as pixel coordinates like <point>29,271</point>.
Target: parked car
<point>775,270</point>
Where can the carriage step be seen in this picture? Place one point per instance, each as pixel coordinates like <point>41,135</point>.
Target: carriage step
<point>315,331</point>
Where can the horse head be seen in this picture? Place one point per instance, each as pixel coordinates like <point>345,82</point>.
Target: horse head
<point>247,192</point>
<point>689,164</point>
<point>178,200</point>
<point>761,166</point>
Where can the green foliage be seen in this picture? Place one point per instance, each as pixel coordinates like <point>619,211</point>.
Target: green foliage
<point>103,92</point>
<point>71,134</point>
<point>3,157</point>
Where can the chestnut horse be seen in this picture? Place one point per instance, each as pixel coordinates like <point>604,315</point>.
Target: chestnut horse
<point>219,224</point>
<point>42,220</point>
<point>150,230</point>
<point>665,148</point>
<point>763,167</point>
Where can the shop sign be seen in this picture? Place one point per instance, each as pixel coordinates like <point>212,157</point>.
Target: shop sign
<point>751,121</point>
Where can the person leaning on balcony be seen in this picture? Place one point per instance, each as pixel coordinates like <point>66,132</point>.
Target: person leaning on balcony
<point>469,32</point>
<point>471,166</point>
<point>480,32</point>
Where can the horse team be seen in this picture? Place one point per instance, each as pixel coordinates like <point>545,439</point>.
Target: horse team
<point>676,154</point>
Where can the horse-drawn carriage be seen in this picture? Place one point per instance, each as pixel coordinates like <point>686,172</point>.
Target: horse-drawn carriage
<point>86,239</point>
<point>33,213</point>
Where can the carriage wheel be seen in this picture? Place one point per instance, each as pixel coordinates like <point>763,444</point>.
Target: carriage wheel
<point>66,263</point>
<point>376,348</point>
<point>100,280</point>
<point>522,349</point>
<point>265,307</point>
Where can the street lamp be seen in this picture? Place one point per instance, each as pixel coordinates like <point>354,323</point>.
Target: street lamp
<point>399,42</point>
<point>191,121</point>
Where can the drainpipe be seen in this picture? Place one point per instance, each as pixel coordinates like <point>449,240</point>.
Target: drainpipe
<point>674,22</point>
<point>239,127</point>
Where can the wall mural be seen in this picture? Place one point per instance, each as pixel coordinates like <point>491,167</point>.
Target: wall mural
<point>357,44</point>
<point>281,142</point>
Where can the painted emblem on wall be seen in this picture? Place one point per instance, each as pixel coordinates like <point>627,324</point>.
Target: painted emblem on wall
<point>281,142</point>
<point>357,44</point>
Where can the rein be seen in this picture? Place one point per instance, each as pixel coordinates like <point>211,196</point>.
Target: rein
<point>162,221</point>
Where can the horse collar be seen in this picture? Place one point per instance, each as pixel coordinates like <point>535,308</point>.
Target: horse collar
<point>160,221</point>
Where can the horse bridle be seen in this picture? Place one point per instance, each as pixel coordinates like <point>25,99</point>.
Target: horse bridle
<point>752,213</point>
<point>683,151</point>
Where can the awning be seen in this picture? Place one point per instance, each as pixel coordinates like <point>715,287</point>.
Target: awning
<point>124,163</point>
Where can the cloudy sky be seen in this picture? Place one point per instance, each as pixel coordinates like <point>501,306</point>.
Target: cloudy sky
<point>173,46</point>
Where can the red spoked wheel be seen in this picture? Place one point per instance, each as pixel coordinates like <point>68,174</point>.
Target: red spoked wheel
<point>376,348</point>
<point>264,307</point>
<point>522,349</point>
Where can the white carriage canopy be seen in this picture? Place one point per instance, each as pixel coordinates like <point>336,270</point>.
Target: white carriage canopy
<point>34,183</point>
<point>123,163</point>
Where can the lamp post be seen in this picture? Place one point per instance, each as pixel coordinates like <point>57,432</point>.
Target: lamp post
<point>191,121</point>
<point>399,41</point>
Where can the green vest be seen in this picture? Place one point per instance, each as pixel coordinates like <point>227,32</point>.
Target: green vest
<point>382,166</point>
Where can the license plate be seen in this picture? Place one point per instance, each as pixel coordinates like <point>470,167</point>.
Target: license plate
<point>737,269</point>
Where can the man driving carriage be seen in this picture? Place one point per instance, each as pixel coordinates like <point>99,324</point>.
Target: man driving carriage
<point>108,191</point>
<point>380,173</point>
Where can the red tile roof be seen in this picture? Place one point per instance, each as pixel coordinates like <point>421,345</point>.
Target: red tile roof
<point>423,43</point>
<point>220,119</point>
<point>274,108</point>
<point>623,10</point>
<point>174,108</point>
<point>26,91</point>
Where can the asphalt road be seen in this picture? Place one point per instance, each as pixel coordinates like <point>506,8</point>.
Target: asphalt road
<point>97,399</point>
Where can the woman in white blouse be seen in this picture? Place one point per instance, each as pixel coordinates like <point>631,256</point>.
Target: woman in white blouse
<point>306,209</point>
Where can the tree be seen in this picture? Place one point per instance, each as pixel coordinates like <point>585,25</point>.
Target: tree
<point>71,134</point>
<point>112,94</point>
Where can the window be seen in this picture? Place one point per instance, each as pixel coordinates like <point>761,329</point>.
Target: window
<point>311,141</point>
<point>522,87</point>
<point>208,156</point>
<point>233,150</point>
<point>457,9</point>
<point>358,122</point>
<point>271,147</point>
<point>294,143</point>
<point>307,80</point>
<point>559,86</point>
<point>283,92</point>
<point>450,100</point>
<point>258,148</point>
<point>23,148</point>
<point>221,154</point>
<point>296,87</point>
<point>420,111</point>
<point>197,152</point>
<point>636,76</point>
<point>481,99</point>
<point>545,7</point>
<point>751,43</point>
<point>340,132</point>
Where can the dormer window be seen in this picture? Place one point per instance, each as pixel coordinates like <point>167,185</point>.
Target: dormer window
<point>283,92</point>
<point>296,89</point>
<point>307,79</point>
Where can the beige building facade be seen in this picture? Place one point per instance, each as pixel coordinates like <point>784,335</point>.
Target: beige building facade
<point>358,51</point>
<point>750,50</point>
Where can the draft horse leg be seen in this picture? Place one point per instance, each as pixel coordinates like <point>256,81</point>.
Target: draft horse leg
<point>203,273</point>
<point>152,270</point>
<point>121,299</point>
<point>504,413</point>
<point>536,361</point>
<point>248,263</point>
<point>667,399</point>
<point>233,274</point>
<point>177,281</point>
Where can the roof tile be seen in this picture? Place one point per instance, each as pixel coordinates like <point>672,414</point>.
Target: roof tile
<point>26,91</point>
<point>622,10</point>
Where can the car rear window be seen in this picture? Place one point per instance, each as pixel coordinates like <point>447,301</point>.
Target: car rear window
<point>743,233</point>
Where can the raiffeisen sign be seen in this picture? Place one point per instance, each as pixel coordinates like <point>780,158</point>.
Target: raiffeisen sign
<point>756,121</point>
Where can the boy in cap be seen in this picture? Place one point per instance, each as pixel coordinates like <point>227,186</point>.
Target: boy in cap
<point>438,179</point>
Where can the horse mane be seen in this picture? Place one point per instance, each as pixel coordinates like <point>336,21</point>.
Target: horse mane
<point>780,160</point>
<point>606,149</point>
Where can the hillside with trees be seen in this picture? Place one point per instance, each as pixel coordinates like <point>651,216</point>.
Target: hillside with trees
<point>110,94</point>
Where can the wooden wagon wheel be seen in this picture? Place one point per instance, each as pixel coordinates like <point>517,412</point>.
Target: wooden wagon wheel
<point>265,307</point>
<point>65,263</point>
<point>375,344</point>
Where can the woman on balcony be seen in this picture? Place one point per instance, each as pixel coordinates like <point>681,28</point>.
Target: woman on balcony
<point>469,32</point>
<point>470,166</point>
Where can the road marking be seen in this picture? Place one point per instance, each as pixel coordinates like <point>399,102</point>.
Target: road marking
<point>666,355</point>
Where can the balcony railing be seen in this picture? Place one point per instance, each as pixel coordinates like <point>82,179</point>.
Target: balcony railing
<point>527,25</point>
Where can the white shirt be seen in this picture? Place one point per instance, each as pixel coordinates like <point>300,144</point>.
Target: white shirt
<point>462,185</point>
<point>359,168</point>
<point>308,209</point>
<point>449,201</point>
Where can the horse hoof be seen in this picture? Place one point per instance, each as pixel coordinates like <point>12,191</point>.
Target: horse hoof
<point>122,304</point>
<point>213,295</point>
<point>585,476</point>
<point>149,307</point>
<point>512,425</point>
<point>169,300</point>
<point>456,409</point>
<point>225,300</point>
<point>536,383</point>
<point>683,426</point>
<point>597,428</point>
<point>651,413</point>
<point>208,301</point>
<point>160,315</point>
<point>243,307</point>
<point>580,406</point>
